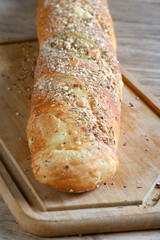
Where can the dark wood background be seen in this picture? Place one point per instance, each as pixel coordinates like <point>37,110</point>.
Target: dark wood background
<point>138,39</point>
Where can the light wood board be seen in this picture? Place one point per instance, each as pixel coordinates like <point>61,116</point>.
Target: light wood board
<point>111,207</point>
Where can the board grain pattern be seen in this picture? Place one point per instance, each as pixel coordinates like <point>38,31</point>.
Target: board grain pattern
<point>37,207</point>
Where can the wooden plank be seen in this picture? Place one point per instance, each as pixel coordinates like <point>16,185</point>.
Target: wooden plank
<point>17,19</point>
<point>137,30</point>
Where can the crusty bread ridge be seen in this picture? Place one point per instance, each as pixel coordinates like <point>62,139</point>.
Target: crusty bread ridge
<point>74,126</point>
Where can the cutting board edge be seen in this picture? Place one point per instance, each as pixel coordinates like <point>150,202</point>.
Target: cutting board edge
<point>75,222</point>
<point>141,91</point>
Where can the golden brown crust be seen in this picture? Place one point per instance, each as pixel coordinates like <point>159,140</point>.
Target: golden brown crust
<point>74,126</point>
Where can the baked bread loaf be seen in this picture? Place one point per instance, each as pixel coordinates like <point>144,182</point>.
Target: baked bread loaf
<point>74,125</point>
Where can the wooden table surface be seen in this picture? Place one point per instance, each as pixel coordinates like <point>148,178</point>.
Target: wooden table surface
<point>138,38</point>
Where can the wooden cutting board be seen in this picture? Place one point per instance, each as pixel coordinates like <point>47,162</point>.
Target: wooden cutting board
<point>129,201</point>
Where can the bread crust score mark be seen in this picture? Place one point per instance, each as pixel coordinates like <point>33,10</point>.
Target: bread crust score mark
<point>74,126</point>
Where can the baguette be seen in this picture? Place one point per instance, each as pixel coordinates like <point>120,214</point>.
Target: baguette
<point>74,125</point>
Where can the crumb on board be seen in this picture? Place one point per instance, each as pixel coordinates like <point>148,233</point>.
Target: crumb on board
<point>131,105</point>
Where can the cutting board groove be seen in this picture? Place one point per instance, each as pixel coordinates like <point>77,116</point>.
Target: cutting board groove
<point>129,201</point>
